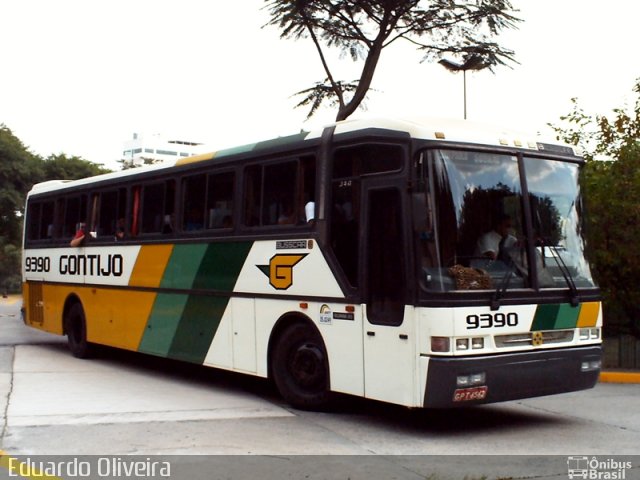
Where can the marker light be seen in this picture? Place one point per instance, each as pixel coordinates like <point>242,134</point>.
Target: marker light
<point>462,344</point>
<point>477,343</point>
<point>589,333</point>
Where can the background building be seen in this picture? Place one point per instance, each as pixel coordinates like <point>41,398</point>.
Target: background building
<point>142,149</point>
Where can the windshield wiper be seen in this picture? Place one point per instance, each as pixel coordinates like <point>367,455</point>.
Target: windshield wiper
<point>504,284</point>
<point>566,274</point>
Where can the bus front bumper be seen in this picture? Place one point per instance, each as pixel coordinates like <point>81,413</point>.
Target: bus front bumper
<point>510,376</point>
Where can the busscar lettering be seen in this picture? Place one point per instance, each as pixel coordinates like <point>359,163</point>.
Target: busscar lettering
<point>92,265</point>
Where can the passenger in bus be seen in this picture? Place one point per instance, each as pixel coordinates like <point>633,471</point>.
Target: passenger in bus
<point>78,238</point>
<point>194,220</point>
<point>119,233</point>
<point>168,222</point>
<point>287,215</point>
<point>495,244</point>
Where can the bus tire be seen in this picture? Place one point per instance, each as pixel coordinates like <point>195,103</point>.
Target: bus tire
<point>301,368</point>
<point>75,326</point>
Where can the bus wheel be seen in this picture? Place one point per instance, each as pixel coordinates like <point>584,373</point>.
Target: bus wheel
<point>300,368</point>
<point>76,328</point>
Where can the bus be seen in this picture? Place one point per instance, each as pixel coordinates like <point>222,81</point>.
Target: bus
<point>344,260</point>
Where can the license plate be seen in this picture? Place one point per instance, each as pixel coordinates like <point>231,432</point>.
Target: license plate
<point>470,394</point>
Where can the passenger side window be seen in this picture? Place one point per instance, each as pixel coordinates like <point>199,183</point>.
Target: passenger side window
<point>74,212</point>
<point>40,225</point>
<point>208,201</point>
<point>157,213</point>
<point>279,194</point>
<point>112,208</point>
<point>195,189</point>
<point>276,194</point>
<point>220,200</point>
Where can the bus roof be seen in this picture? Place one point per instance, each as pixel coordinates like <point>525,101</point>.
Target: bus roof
<point>442,130</point>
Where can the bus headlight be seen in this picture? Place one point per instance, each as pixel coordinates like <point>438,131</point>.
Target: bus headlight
<point>440,344</point>
<point>590,365</point>
<point>462,344</point>
<point>471,380</point>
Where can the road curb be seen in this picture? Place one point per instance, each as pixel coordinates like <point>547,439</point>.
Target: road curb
<point>619,377</point>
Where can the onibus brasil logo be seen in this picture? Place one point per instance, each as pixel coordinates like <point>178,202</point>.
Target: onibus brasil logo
<point>280,269</point>
<point>597,469</point>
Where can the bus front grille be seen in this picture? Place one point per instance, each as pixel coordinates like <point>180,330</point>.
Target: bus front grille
<point>534,338</point>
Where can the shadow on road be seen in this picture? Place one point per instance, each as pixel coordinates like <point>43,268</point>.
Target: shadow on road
<point>449,422</point>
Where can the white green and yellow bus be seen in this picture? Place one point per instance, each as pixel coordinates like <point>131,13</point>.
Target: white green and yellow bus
<point>342,260</point>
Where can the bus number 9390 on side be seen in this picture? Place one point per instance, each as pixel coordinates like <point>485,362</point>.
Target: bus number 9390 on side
<point>37,264</point>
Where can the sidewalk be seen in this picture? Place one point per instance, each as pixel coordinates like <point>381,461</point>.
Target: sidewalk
<point>613,376</point>
<point>10,299</point>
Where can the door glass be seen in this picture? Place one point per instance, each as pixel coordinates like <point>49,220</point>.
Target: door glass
<point>385,258</point>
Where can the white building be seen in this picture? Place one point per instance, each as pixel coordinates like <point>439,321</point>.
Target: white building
<point>158,148</point>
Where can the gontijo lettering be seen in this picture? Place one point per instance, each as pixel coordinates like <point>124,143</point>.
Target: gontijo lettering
<point>98,265</point>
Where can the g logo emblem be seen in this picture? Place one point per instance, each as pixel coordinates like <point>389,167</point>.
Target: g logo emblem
<point>280,269</point>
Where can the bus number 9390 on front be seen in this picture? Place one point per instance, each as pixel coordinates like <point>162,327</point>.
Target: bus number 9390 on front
<point>490,320</point>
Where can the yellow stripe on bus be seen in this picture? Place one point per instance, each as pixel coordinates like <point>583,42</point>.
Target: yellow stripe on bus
<point>150,265</point>
<point>195,158</point>
<point>118,317</point>
<point>588,314</point>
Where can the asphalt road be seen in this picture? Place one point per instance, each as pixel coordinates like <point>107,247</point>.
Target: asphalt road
<point>122,403</point>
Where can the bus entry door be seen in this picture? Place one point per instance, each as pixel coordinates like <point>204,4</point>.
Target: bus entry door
<point>387,336</point>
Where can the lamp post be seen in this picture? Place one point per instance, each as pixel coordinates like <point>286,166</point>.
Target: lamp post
<point>471,62</point>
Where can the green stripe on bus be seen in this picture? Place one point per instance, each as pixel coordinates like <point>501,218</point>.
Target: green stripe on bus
<point>221,265</point>
<point>183,266</point>
<point>545,317</point>
<point>219,270</point>
<point>197,327</point>
<point>162,324</point>
<point>555,316</point>
<point>567,316</point>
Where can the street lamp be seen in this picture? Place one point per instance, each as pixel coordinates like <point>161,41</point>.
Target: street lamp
<point>471,62</point>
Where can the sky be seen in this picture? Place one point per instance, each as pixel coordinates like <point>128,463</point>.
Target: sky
<point>81,77</point>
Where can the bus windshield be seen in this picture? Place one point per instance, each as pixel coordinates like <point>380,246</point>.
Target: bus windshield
<point>484,234</point>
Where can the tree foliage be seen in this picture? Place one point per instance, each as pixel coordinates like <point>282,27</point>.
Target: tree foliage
<point>612,197</point>
<point>126,164</point>
<point>361,29</point>
<point>600,135</point>
<point>19,171</point>
<point>63,167</point>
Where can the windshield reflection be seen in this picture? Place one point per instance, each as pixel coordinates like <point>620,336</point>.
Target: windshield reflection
<point>477,237</point>
<point>554,198</point>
